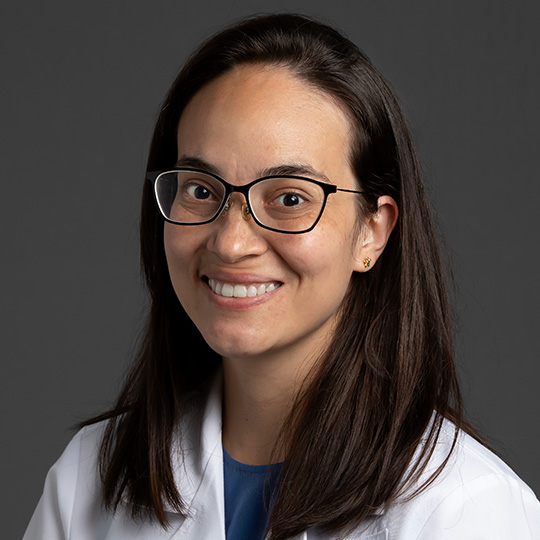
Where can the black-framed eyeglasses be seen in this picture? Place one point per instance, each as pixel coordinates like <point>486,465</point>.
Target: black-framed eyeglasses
<point>287,203</point>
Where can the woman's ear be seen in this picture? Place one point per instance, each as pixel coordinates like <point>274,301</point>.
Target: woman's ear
<point>375,233</point>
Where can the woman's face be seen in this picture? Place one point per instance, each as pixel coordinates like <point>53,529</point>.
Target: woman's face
<point>242,125</point>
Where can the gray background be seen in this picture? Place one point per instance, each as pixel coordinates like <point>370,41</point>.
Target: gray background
<point>81,85</point>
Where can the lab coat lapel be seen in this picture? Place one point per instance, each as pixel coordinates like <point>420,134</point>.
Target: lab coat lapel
<point>199,476</point>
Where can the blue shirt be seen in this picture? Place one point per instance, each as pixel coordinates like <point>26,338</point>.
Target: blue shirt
<point>248,496</point>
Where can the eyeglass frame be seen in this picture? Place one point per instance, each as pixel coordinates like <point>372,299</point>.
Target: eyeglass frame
<point>328,189</point>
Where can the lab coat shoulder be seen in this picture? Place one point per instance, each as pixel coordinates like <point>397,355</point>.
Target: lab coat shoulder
<point>74,472</point>
<point>477,496</point>
<point>71,503</point>
<point>70,507</point>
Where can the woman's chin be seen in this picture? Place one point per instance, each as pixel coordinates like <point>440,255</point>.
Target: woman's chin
<point>236,348</point>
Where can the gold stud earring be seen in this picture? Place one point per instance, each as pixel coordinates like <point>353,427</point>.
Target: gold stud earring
<point>367,262</point>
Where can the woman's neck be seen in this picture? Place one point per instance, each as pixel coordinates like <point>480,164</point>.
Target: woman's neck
<point>258,394</point>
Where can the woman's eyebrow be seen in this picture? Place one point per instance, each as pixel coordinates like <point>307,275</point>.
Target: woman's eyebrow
<point>197,163</point>
<point>295,169</point>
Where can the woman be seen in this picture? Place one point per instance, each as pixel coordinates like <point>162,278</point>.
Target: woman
<point>296,374</point>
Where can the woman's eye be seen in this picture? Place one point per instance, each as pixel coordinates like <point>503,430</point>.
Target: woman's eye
<point>198,192</point>
<point>290,199</point>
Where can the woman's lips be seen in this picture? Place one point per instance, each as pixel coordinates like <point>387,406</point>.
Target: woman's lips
<point>241,290</point>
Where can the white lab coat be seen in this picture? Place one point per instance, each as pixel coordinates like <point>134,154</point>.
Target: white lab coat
<point>478,497</point>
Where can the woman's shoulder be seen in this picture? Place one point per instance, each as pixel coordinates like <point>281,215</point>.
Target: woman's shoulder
<point>471,463</point>
<point>85,443</point>
<point>78,464</point>
<point>470,458</point>
<point>71,503</point>
<point>73,478</point>
<point>80,456</point>
<point>475,492</point>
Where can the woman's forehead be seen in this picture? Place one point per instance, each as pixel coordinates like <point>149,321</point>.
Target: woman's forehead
<point>266,115</point>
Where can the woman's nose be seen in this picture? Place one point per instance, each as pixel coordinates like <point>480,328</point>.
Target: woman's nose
<point>236,235</point>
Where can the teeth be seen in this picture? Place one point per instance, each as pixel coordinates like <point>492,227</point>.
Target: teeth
<point>227,290</point>
<point>241,291</point>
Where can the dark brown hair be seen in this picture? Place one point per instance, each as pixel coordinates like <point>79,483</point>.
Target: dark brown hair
<point>350,439</point>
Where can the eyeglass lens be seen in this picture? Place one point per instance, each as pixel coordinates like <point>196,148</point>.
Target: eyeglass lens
<point>287,204</point>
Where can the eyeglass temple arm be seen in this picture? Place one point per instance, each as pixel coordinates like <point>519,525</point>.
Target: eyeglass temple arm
<point>351,191</point>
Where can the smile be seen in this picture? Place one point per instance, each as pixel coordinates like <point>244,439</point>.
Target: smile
<point>241,291</point>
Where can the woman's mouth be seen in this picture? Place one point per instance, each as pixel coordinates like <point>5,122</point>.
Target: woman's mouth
<point>239,290</point>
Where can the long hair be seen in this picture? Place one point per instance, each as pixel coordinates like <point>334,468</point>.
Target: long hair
<point>350,440</point>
